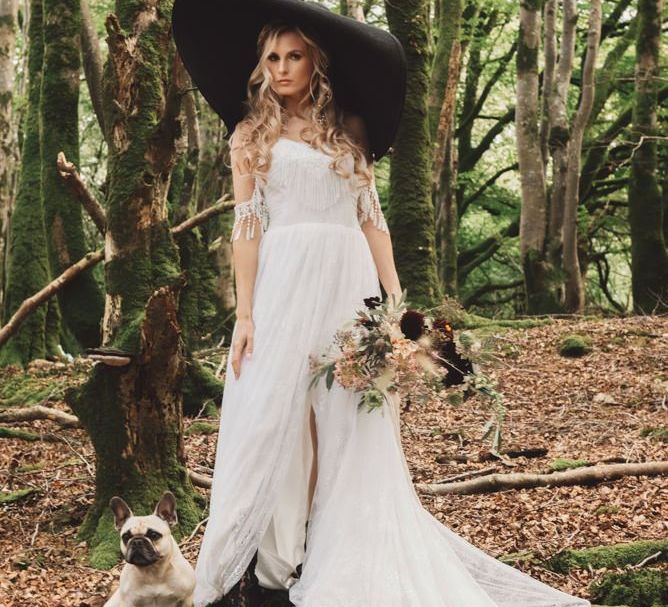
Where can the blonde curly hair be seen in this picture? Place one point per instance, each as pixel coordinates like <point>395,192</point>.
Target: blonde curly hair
<point>265,115</point>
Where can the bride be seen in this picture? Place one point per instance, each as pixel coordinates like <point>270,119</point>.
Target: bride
<point>315,494</point>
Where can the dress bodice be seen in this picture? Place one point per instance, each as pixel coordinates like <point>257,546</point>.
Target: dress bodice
<point>301,187</point>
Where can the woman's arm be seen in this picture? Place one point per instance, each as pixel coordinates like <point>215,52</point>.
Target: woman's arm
<point>375,228</point>
<point>380,244</point>
<point>246,235</point>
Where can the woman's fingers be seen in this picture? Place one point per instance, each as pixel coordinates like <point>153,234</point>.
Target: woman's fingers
<point>237,351</point>
<point>243,344</point>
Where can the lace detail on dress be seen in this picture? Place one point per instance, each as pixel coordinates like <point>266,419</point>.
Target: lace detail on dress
<point>368,207</point>
<point>250,212</point>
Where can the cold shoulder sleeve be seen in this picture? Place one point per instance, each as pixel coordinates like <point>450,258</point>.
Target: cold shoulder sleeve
<point>368,207</point>
<point>249,213</point>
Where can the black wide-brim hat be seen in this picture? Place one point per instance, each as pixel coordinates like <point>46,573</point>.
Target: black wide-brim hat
<point>217,40</point>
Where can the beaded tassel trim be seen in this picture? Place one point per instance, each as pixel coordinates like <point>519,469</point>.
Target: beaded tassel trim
<point>368,207</point>
<point>250,212</point>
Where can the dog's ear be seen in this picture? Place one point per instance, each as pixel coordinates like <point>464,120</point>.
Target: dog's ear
<point>166,508</point>
<point>121,511</point>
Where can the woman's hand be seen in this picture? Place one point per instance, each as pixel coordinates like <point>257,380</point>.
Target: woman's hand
<point>243,343</point>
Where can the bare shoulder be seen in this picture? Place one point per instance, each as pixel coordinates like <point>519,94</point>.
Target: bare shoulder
<point>355,127</point>
<point>240,136</point>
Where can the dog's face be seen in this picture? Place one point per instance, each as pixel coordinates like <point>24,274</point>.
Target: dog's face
<point>145,539</point>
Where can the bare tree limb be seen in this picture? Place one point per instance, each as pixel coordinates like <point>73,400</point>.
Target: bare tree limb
<point>589,475</point>
<point>68,171</point>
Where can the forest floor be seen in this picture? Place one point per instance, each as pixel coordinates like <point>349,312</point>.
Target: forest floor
<point>611,404</point>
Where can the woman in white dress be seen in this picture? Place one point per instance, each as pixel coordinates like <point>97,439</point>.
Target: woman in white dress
<point>302,477</point>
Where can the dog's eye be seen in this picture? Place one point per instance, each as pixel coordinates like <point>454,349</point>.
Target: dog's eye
<point>153,535</point>
<point>126,537</point>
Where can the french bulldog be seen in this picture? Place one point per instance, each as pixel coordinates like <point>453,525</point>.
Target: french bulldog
<point>155,574</point>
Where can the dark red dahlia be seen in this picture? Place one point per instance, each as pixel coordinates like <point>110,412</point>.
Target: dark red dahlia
<point>412,324</point>
<point>372,302</point>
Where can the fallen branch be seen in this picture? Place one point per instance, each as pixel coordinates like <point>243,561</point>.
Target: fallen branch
<point>34,301</point>
<point>28,414</point>
<point>68,171</point>
<point>463,475</point>
<point>589,475</point>
<point>15,434</point>
<point>200,480</point>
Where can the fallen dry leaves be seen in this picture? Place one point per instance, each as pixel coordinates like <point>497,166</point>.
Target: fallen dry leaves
<point>592,408</point>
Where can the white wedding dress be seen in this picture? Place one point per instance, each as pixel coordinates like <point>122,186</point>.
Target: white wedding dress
<point>370,541</point>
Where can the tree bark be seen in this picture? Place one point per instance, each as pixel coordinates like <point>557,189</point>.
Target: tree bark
<point>445,77</point>
<point>649,257</point>
<point>575,292</point>
<point>559,132</point>
<point>28,269</point>
<point>8,133</point>
<point>539,274</point>
<point>133,413</point>
<point>92,62</point>
<point>81,301</point>
<point>355,9</point>
<point>410,210</point>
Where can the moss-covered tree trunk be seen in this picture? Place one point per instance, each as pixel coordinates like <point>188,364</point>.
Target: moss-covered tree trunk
<point>446,65</point>
<point>133,413</point>
<point>81,301</point>
<point>411,211</point>
<point>649,258</point>
<point>8,140</point>
<point>28,269</point>
<point>539,275</point>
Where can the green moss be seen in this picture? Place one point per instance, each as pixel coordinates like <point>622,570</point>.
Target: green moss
<point>410,210</point>
<point>607,509</point>
<point>574,345</point>
<point>18,434</point>
<point>658,433</point>
<point>198,312</point>
<point>10,497</point>
<point>28,269</point>
<point>201,428</point>
<point>200,386</point>
<point>641,588</point>
<point>608,557</point>
<point>81,300</point>
<point>523,556</point>
<point>561,463</point>
<point>39,385</point>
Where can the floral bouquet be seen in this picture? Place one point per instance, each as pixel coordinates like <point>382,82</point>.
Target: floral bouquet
<point>388,348</point>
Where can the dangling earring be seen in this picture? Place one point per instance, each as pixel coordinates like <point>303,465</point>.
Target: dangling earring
<point>322,120</point>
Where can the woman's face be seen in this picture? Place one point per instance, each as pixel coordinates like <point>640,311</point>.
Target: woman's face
<point>290,62</point>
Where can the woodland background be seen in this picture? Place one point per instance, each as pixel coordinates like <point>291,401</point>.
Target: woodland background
<point>527,196</point>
